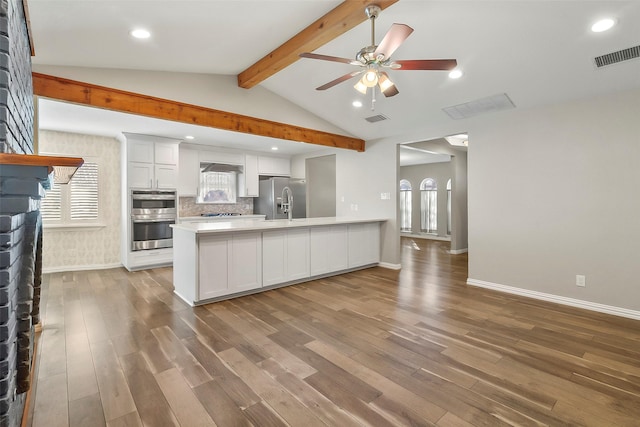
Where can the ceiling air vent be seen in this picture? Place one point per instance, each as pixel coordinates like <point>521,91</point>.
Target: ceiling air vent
<point>376,118</point>
<point>619,56</point>
<point>479,106</point>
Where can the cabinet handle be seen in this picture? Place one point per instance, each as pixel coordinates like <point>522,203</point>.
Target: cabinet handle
<point>157,181</point>
<point>151,183</point>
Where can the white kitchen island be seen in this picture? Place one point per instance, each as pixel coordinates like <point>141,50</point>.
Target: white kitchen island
<point>219,260</point>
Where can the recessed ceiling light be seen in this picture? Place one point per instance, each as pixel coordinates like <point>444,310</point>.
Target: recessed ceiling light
<point>603,25</point>
<point>140,33</point>
<point>274,148</point>
<point>189,137</point>
<point>455,74</point>
<point>357,104</point>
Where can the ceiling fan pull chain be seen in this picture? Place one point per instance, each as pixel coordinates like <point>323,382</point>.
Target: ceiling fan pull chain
<point>373,98</point>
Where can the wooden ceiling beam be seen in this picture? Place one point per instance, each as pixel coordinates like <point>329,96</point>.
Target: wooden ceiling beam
<point>128,102</point>
<point>338,21</point>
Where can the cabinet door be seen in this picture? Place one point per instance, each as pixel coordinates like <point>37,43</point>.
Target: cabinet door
<point>338,248</point>
<point>140,175</point>
<point>297,254</point>
<point>319,250</point>
<point>274,166</point>
<point>166,153</point>
<point>166,176</point>
<point>249,180</point>
<point>364,244</point>
<point>188,173</point>
<point>213,262</point>
<point>245,262</point>
<point>140,151</point>
<point>274,257</point>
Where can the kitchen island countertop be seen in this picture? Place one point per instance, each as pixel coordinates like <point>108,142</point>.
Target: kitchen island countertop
<point>273,224</point>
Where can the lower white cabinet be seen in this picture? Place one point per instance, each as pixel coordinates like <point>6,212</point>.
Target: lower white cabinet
<point>229,264</point>
<point>328,249</point>
<point>364,244</point>
<point>285,255</point>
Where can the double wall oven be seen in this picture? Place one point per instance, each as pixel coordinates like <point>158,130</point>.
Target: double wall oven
<point>152,214</point>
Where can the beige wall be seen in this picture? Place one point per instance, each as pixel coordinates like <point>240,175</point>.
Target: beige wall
<point>553,192</point>
<point>79,249</point>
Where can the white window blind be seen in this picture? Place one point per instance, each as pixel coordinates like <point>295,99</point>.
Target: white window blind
<point>74,203</point>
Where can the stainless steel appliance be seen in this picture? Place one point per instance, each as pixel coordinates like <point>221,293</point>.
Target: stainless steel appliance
<point>152,213</point>
<point>269,202</point>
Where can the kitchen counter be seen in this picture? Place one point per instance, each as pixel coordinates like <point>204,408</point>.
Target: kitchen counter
<point>219,218</point>
<point>271,224</point>
<point>225,259</point>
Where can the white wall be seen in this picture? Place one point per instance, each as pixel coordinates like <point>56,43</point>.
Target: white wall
<point>73,249</point>
<point>553,192</point>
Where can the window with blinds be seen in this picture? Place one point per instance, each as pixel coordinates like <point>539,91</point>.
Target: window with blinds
<point>74,203</point>
<point>217,187</point>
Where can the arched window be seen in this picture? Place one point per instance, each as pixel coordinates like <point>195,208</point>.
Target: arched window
<point>405,205</point>
<point>449,207</point>
<point>428,206</point>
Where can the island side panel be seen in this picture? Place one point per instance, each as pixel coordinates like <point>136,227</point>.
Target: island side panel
<point>185,265</point>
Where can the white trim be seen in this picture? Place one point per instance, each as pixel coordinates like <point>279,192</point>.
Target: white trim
<point>426,236</point>
<point>587,305</point>
<point>390,266</point>
<point>64,268</point>
<point>459,251</point>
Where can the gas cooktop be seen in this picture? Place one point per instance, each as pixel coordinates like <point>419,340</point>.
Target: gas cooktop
<point>220,214</point>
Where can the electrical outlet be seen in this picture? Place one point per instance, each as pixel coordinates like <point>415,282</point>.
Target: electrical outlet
<point>581,280</point>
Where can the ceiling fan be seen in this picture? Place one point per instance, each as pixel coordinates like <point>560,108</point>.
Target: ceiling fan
<point>374,59</point>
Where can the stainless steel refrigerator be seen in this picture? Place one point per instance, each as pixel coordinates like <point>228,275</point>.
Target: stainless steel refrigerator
<point>269,202</point>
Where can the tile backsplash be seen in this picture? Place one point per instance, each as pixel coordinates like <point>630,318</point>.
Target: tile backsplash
<point>188,207</point>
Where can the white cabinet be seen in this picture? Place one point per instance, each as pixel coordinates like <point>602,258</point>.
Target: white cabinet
<point>152,163</point>
<point>229,264</point>
<point>364,244</point>
<point>277,166</point>
<point>328,249</point>
<point>248,180</point>
<point>189,173</point>
<point>285,256</point>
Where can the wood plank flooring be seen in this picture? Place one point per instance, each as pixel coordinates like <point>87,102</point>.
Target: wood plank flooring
<point>377,347</point>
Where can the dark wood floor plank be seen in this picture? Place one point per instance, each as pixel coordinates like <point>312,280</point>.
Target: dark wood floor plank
<point>150,402</point>
<point>86,412</point>
<point>415,346</point>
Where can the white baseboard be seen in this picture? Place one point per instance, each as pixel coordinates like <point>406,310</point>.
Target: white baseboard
<point>62,269</point>
<point>459,251</point>
<point>426,236</point>
<point>587,305</point>
<point>390,266</point>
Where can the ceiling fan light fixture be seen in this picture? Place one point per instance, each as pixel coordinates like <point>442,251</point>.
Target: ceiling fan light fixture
<point>360,87</point>
<point>370,78</point>
<point>387,87</point>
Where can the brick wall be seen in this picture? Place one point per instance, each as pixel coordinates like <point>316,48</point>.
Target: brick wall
<point>16,88</point>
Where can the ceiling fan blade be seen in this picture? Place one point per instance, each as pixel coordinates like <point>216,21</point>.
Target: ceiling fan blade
<point>325,57</point>
<point>341,79</point>
<point>397,34</point>
<point>426,64</point>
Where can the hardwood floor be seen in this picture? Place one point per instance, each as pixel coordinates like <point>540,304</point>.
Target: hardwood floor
<point>375,347</point>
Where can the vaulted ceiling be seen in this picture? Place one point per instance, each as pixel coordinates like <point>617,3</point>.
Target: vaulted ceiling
<point>536,52</point>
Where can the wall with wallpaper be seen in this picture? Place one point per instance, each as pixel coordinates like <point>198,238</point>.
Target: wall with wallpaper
<point>66,249</point>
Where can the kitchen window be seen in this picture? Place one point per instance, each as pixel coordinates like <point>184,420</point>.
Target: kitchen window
<point>76,204</point>
<point>217,187</point>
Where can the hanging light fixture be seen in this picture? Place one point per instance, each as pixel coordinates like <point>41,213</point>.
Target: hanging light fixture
<point>387,87</point>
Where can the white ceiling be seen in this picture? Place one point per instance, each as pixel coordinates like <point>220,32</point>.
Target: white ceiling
<point>537,52</point>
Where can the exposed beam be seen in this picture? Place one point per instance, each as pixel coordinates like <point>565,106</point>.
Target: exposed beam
<point>338,21</point>
<point>128,102</point>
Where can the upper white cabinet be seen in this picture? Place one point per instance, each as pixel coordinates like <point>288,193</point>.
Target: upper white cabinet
<point>152,162</point>
<point>248,182</point>
<point>277,166</point>
<point>189,174</point>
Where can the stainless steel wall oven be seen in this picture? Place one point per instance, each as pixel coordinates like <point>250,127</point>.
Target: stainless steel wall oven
<point>152,213</point>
